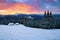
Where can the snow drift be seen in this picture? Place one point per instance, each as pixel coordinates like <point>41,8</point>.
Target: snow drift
<point>20,32</point>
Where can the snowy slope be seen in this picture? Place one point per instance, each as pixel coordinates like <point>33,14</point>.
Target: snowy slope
<point>20,32</point>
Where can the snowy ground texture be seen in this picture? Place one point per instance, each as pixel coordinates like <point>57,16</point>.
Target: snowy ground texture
<point>20,32</point>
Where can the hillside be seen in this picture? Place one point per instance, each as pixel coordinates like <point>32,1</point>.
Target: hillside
<point>20,32</point>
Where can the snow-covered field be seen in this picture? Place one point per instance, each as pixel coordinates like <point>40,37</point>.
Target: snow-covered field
<point>20,32</point>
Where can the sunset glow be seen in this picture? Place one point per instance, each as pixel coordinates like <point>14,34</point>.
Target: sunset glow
<point>10,7</point>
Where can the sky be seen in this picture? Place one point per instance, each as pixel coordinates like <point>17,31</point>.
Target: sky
<point>29,6</point>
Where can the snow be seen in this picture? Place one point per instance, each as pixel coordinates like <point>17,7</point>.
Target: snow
<point>20,32</point>
<point>29,17</point>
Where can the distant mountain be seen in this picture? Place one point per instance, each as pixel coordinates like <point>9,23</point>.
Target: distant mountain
<point>36,16</point>
<point>32,15</point>
<point>21,16</point>
<point>56,16</point>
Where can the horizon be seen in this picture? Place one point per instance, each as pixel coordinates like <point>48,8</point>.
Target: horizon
<point>25,14</point>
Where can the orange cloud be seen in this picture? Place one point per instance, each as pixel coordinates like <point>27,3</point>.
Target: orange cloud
<point>17,8</point>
